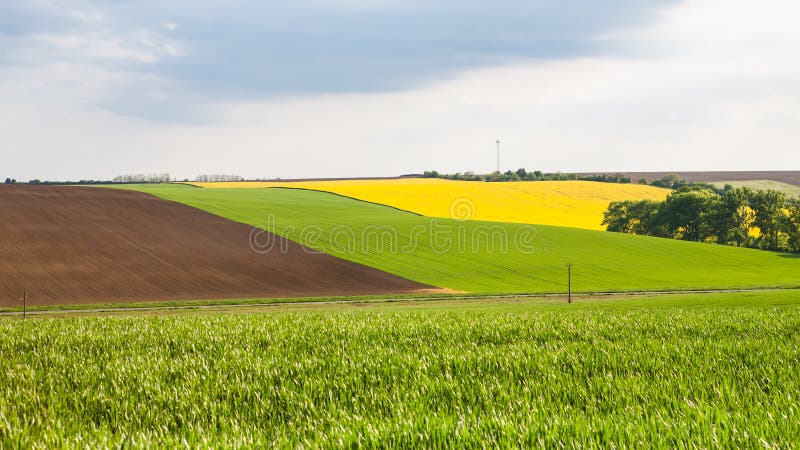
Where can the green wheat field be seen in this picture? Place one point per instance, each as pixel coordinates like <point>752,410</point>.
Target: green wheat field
<point>678,371</point>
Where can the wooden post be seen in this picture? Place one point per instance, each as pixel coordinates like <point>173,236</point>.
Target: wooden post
<point>569,283</point>
<point>24,304</point>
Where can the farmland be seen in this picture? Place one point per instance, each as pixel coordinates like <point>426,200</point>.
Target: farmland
<point>578,204</point>
<point>791,190</point>
<point>67,245</point>
<point>451,257</point>
<point>399,225</point>
<point>785,176</point>
<point>674,371</point>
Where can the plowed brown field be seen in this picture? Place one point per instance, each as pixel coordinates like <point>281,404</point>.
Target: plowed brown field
<point>90,245</point>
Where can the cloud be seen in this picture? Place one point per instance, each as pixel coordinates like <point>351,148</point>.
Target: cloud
<point>699,86</point>
<point>247,49</point>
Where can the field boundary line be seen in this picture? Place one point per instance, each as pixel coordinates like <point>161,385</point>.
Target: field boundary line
<point>393,300</point>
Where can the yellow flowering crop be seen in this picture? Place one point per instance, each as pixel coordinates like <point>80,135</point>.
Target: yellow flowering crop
<point>578,204</point>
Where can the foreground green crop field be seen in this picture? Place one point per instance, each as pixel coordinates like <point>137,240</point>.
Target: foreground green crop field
<point>675,371</point>
<point>471,256</point>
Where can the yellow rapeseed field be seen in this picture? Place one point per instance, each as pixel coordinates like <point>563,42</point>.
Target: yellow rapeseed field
<point>578,204</point>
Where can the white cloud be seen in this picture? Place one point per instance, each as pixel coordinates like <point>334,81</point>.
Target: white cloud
<point>95,46</point>
<point>141,46</point>
<point>724,29</point>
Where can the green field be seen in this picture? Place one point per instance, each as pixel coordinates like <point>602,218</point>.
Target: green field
<point>790,190</point>
<point>671,372</point>
<point>603,261</point>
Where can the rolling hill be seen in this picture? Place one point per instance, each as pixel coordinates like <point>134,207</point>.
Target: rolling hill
<point>578,204</point>
<point>67,244</point>
<point>471,256</point>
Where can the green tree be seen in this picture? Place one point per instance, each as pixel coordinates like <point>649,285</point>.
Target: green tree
<point>684,214</point>
<point>634,217</point>
<point>730,220</point>
<point>669,181</point>
<point>769,217</point>
<point>793,224</point>
<point>617,217</point>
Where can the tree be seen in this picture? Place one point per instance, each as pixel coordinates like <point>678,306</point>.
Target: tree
<point>669,182</point>
<point>769,217</point>
<point>630,216</point>
<point>142,178</point>
<point>8,180</point>
<point>699,212</point>
<point>793,224</point>
<point>510,176</point>
<point>620,177</point>
<point>228,178</point>
<point>617,217</point>
<point>683,215</point>
<point>730,221</point>
<point>643,180</point>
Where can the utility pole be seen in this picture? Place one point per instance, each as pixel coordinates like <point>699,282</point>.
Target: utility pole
<point>24,304</point>
<point>569,283</point>
<point>498,156</point>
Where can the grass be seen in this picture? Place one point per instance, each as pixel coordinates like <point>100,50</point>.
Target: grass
<point>789,189</point>
<point>470,256</point>
<point>578,204</point>
<point>214,302</point>
<point>669,372</point>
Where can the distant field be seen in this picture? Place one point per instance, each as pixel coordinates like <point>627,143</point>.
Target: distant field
<point>578,204</point>
<point>682,371</point>
<point>788,189</point>
<point>470,256</point>
<point>782,176</point>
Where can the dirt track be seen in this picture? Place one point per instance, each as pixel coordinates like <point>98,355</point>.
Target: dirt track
<point>69,245</point>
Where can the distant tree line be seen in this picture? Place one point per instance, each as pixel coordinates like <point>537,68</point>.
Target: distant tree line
<point>122,179</point>
<point>37,181</point>
<point>672,182</point>
<point>669,181</point>
<point>603,178</point>
<point>143,178</point>
<point>741,217</point>
<point>215,177</point>
<point>49,182</point>
<point>525,175</point>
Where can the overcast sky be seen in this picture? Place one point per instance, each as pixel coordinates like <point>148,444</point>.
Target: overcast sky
<point>315,88</point>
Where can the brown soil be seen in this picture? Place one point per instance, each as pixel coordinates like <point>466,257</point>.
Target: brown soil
<point>790,177</point>
<point>68,245</point>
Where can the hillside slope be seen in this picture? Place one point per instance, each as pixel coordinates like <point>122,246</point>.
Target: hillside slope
<point>471,255</point>
<point>83,245</point>
<point>578,204</point>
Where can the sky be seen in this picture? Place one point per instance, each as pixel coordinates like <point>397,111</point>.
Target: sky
<point>337,88</point>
